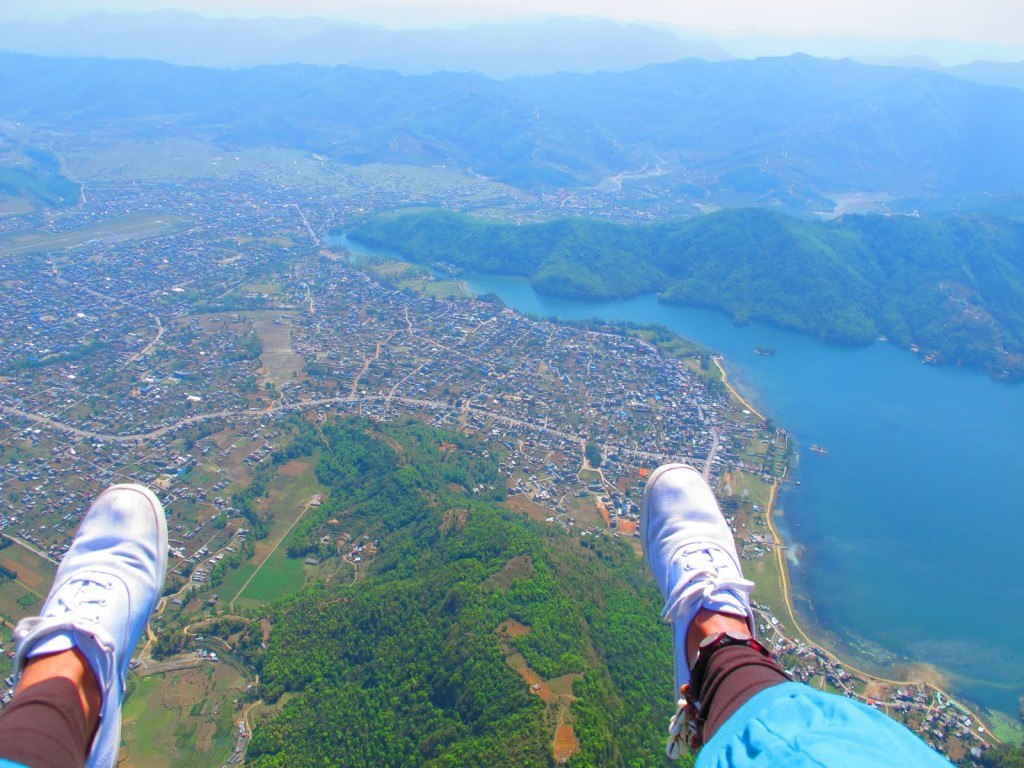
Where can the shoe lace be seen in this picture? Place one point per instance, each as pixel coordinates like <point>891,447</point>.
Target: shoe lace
<point>704,580</point>
<point>83,598</point>
<point>79,602</point>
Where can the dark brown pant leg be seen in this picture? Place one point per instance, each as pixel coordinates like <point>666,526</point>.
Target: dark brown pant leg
<point>733,676</point>
<point>45,726</point>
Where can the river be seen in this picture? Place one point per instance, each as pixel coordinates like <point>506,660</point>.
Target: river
<point>907,539</point>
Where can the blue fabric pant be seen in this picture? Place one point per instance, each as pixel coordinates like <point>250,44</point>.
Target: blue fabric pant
<point>794,726</point>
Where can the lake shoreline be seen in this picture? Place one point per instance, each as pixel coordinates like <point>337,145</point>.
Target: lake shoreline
<point>934,679</point>
<point>874,550</point>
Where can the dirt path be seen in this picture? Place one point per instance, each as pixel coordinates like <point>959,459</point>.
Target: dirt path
<point>725,380</point>
<point>555,693</point>
<point>366,365</point>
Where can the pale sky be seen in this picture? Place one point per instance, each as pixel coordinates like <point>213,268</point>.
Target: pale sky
<point>980,24</point>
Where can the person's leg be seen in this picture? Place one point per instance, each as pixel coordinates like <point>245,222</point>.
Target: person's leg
<point>733,674</point>
<point>72,659</point>
<point>54,714</point>
<point>735,699</point>
<point>691,552</point>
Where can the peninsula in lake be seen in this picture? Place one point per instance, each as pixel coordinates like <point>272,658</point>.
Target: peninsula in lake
<point>951,287</point>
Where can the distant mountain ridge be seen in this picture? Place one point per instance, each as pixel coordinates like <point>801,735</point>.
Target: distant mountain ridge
<point>1009,74</point>
<point>496,50</point>
<point>795,133</point>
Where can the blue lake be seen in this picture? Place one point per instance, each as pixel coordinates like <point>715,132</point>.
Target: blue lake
<point>907,537</point>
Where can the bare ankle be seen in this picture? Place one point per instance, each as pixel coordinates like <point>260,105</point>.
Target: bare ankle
<point>707,623</point>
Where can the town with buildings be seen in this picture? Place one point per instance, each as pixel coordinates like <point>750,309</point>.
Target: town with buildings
<point>177,339</point>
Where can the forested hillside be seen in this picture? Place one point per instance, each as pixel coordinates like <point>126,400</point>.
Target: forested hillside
<point>35,176</point>
<point>413,665</point>
<point>953,286</point>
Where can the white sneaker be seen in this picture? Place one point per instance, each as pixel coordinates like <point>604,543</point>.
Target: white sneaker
<point>105,589</point>
<point>691,552</point>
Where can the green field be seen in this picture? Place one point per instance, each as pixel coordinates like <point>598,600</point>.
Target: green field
<point>234,579</point>
<point>279,576</point>
<point>764,572</point>
<point>184,718</point>
<point>13,598</point>
<point>133,226</point>
<point>438,289</point>
<point>12,206</point>
<point>289,493</point>
<point>16,602</point>
<point>280,363</point>
<point>746,487</point>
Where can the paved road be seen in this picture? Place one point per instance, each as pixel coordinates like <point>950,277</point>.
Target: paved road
<point>711,455</point>
<point>327,402</point>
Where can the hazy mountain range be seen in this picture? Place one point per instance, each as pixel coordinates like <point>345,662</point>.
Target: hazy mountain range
<point>795,132</point>
<point>497,50</point>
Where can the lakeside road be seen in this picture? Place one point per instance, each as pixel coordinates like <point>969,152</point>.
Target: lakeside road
<point>733,391</point>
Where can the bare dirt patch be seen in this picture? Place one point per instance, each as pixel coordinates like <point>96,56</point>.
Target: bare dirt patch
<point>566,743</point>
<point>556,693</point>
<point>628,527</point>
<point>875,690</point>
<point>454,518</point>
<point>523,503</point>
<point>294,468</point>
<point>925,672</point>
<point>511,629</point>
<point>538,687</point>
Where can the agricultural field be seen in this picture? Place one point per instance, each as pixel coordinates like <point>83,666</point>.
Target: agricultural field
<point>178,158</point>
<point>23,597</point>
<point>13,206</point>
<point>270,573</point>
<point>412,181</point>
<point>183,718</point>
<point>280,575</point>
<point>133,226</point>
<point>280,364</point>
<point>35,573</point>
